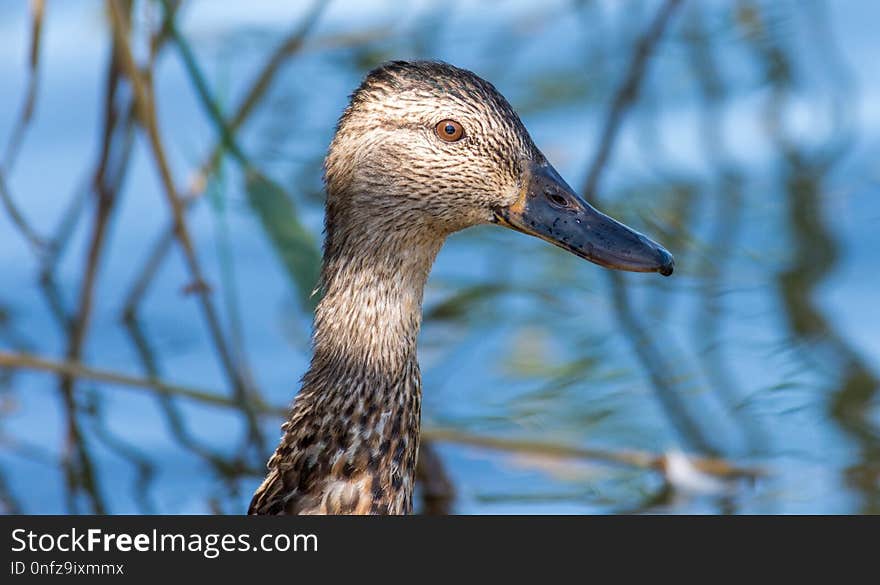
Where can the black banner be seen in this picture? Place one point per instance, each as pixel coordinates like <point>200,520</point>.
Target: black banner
<point>246,548</point>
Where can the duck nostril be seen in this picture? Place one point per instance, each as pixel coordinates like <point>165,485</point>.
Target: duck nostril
<point>556,199</point>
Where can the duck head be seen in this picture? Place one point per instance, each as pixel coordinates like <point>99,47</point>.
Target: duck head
<point>428,148</point>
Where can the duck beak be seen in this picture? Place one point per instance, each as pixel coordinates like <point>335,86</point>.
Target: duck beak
<point>549,209</point>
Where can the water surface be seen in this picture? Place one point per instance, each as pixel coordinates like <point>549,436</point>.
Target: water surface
<point>751,153</point>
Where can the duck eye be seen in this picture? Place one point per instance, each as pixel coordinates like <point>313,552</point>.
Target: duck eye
<point>449,130</point>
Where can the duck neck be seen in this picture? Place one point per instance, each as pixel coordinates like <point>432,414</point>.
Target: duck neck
<point>358,412</point>
<point>370,314</point>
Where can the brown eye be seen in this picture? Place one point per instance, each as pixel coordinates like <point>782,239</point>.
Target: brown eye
<point>449,130</point>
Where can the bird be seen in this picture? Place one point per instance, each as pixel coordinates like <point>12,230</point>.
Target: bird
<point>424,149</point>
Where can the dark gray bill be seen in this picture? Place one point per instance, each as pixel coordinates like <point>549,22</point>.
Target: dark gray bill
<point>549,209</point>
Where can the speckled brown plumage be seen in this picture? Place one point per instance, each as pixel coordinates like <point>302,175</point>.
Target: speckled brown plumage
<point>395,191</point>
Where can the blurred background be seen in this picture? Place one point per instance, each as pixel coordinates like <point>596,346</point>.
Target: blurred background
<point>160,226</point>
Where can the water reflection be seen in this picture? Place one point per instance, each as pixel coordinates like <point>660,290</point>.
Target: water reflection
<point>179,261</point>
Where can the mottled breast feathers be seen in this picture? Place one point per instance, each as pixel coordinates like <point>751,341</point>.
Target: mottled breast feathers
<point>346,451</point>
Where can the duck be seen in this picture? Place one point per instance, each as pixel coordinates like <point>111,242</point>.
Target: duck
<point>424,149</point>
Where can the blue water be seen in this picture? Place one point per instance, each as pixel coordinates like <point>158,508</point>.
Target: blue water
<point>545,359</point>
